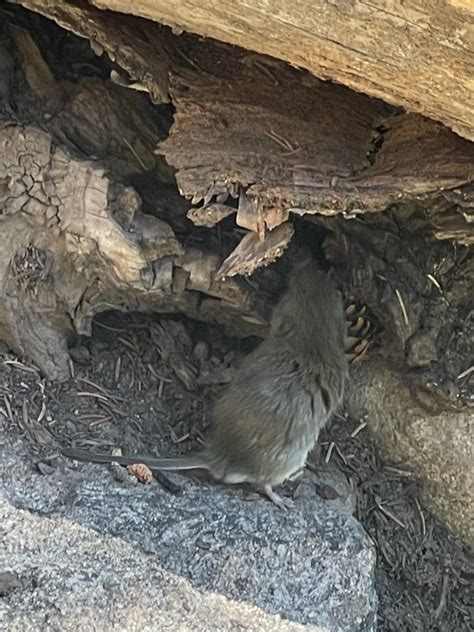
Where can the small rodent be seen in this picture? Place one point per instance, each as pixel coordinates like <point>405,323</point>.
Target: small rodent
<point>269,417</point>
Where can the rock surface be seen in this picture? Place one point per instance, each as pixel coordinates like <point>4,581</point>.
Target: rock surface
<point>437,447</point>
<point>84,552</point>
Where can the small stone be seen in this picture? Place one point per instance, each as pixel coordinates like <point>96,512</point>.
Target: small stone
<point>8,583</point>
<point>81,355</point>
<point>326,492</point>
<point>201,351</point>
<point>44,468</point>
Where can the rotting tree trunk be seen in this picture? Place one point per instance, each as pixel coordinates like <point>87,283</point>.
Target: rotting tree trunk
<point>66,255</point>
<point>91,219</point>
<point>75,240</point>
<point>415,54</point>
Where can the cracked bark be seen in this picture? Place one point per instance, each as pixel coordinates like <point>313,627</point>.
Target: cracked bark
<point>416,55</point>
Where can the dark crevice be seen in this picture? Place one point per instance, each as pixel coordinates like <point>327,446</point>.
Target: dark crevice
<point>377,142</point>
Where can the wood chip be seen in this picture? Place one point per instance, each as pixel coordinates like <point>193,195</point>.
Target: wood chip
<point>210,215</point>
<point>252,252</point>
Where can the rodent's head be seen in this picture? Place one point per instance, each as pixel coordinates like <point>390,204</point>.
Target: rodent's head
<point>311,310</point>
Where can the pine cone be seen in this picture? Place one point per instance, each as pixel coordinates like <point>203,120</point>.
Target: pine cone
<point>142,473</point>
<point>360,331</point>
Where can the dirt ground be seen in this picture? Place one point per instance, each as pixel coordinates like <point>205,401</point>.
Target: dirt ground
<point>146,385</point>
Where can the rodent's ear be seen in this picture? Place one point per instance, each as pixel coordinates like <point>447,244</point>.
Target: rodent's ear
<point>305,261</point>
<point>281,326</point>
<point>297,255</point>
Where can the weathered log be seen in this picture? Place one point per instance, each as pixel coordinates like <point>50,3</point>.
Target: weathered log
<point>336,159</point>
<point>146,61</point>
<point>416,55</point>
<point>65,257</point>
<point>74,239</point>
<point>362,156</point>
<point>295,145</point>
<point>231,135</point>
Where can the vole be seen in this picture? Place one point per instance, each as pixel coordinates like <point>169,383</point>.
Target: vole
<point>269,417</point>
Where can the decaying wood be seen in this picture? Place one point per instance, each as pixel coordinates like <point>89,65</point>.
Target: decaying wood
<point>342,153</point>
<point>210,214</point>
<point>253,252</point>
<point>416,54</point>
<point>282,141</point>
<point>145,62</point>
<point>75,240</point>
<point>301,146</point>
<point>64,256</point>
<point>452,225</point>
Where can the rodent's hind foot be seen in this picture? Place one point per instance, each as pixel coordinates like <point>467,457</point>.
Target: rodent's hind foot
<point>282,502</point>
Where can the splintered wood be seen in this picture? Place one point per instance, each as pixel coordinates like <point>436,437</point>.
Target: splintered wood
<point>253,252</point>
<point>210,215</point>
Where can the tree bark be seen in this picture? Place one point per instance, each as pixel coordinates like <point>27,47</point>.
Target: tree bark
<point>417,54</point>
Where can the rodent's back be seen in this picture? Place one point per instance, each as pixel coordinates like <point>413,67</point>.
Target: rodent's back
<point>310,316</point>
<point>286,390</point>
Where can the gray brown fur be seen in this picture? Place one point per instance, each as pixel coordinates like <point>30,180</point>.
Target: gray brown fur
<point>269,417</point>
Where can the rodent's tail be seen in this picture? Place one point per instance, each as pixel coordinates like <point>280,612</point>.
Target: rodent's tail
<point>191,462</point>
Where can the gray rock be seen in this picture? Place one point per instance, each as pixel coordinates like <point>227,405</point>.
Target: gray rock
<point>437,447</point>
<point>92,554</point>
